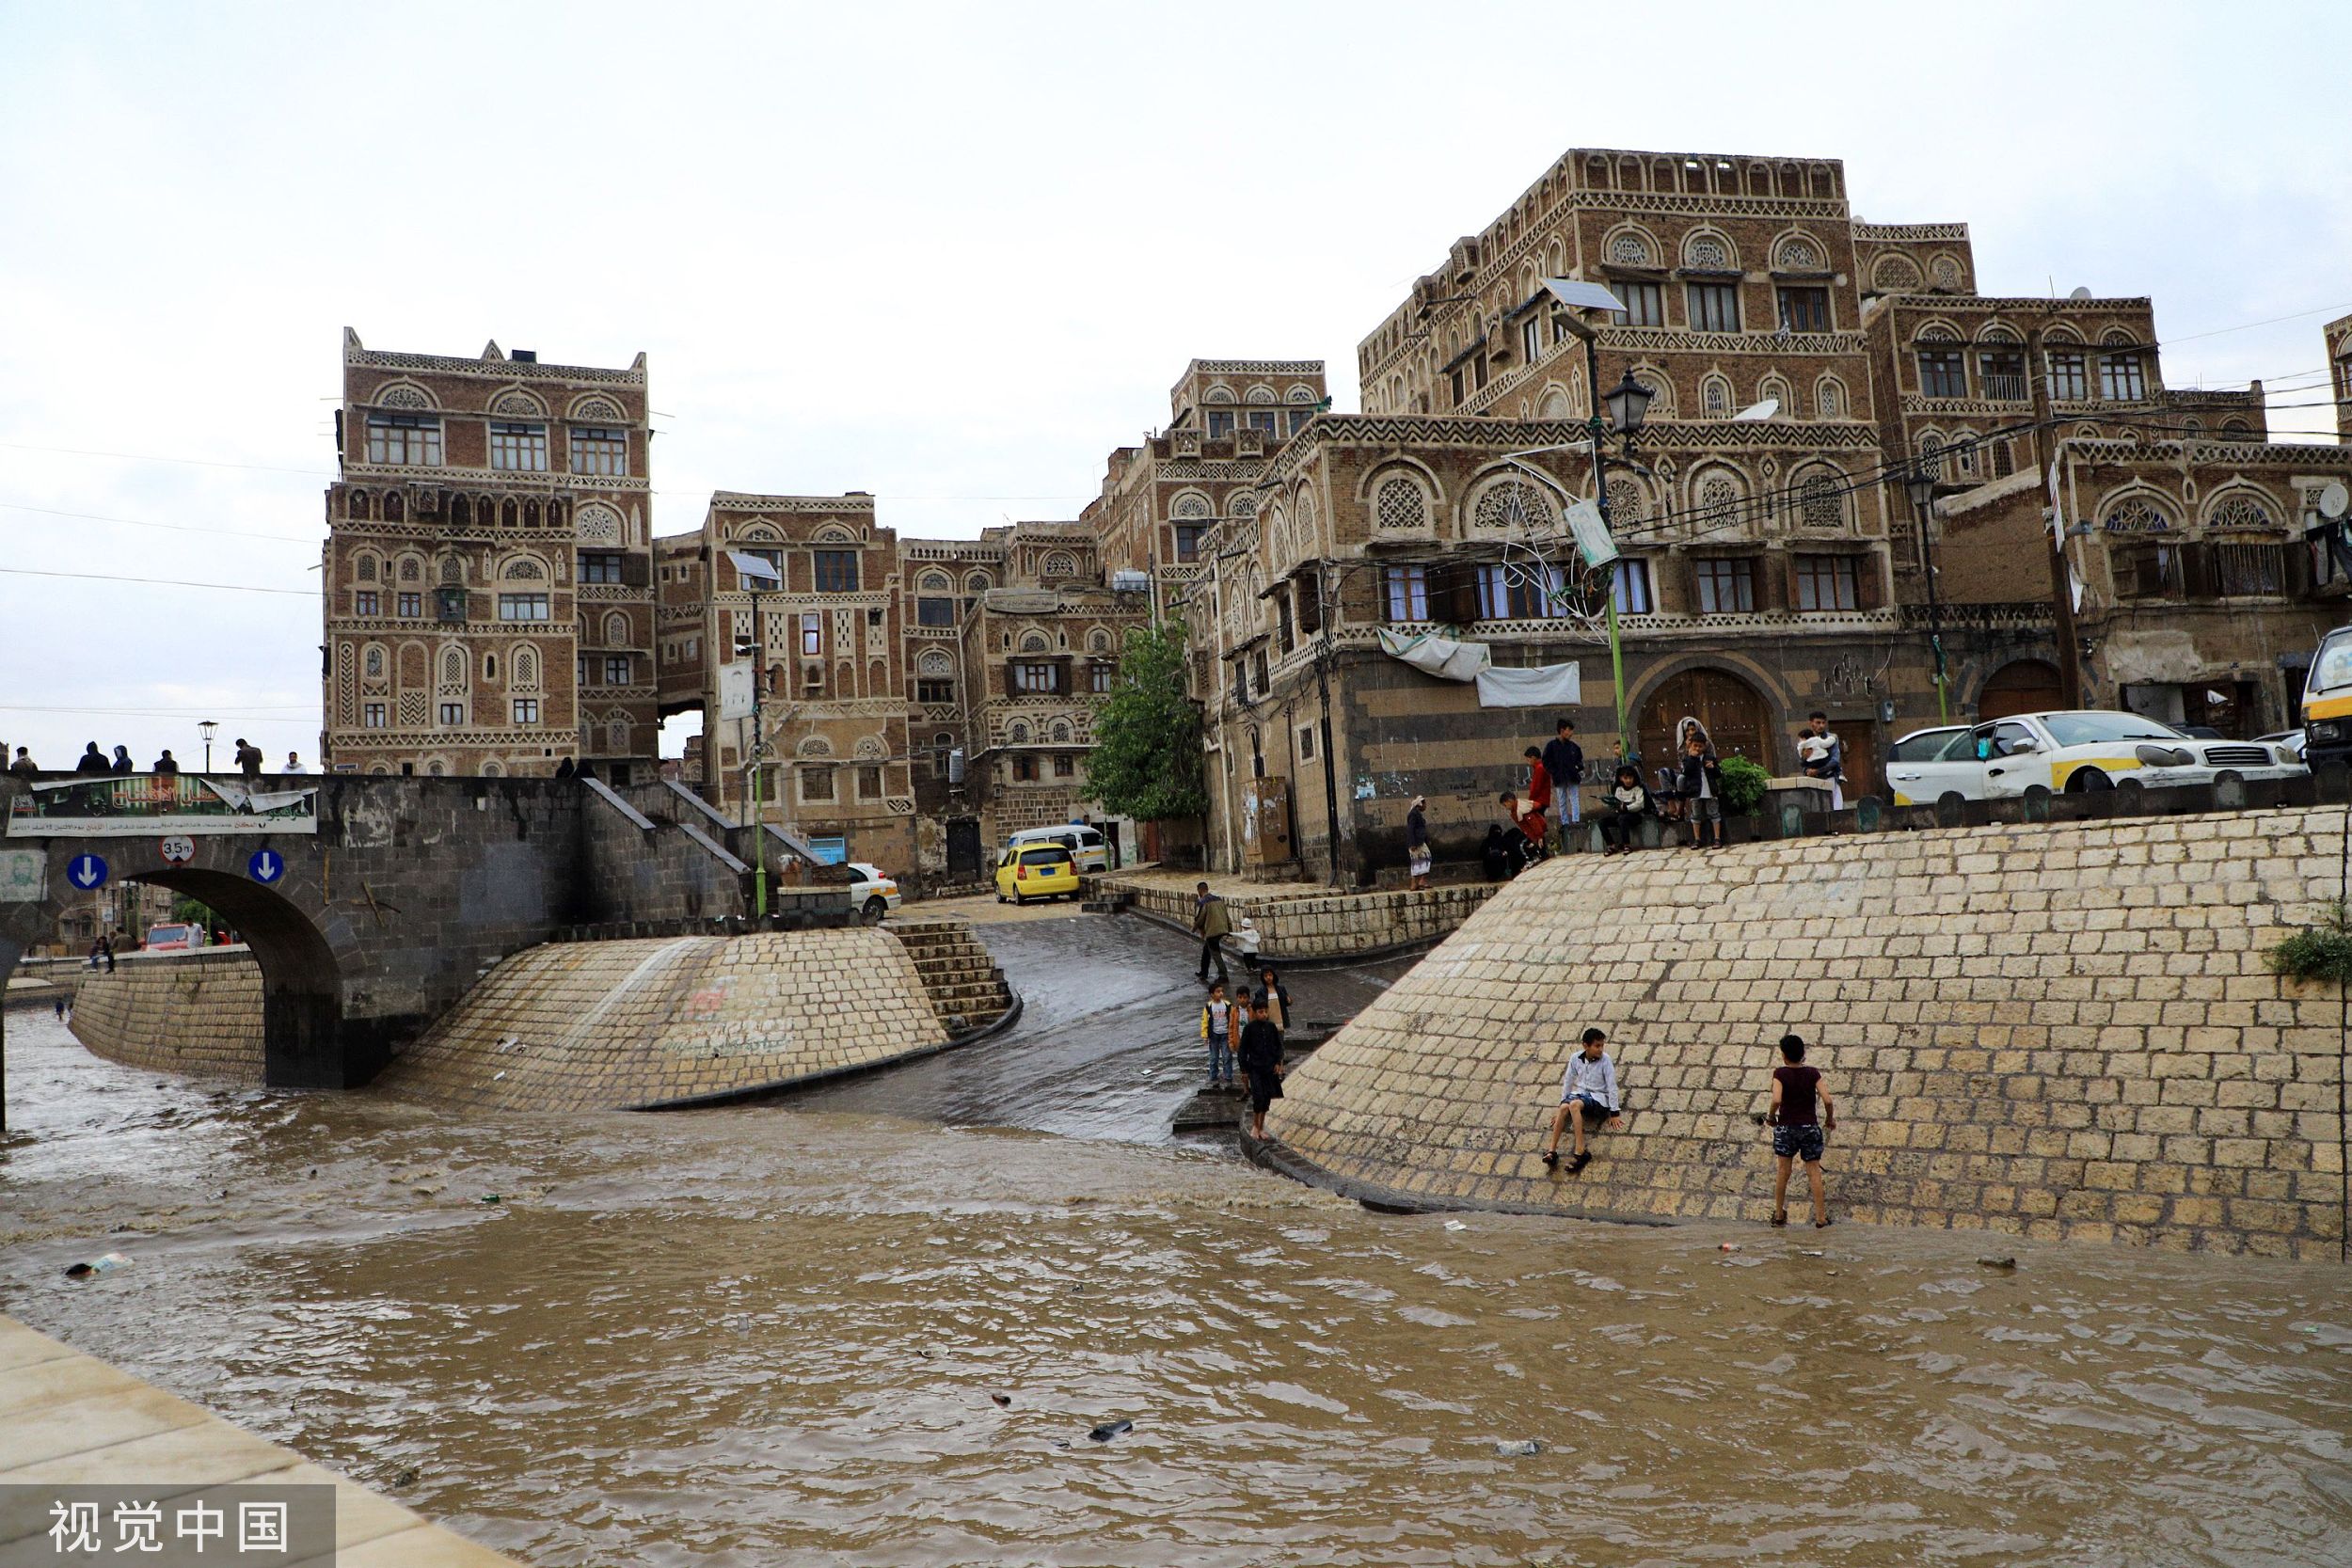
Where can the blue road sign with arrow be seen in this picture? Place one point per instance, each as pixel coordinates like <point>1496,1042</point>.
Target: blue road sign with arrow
<point>86,871</point>
<point>266,865</point>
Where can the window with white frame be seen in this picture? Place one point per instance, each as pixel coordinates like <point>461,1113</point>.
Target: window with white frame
<point>524,606</point>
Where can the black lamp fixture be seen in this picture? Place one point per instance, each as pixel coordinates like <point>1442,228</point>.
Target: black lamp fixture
<point>1920,482</point>
<point>1627,402</point>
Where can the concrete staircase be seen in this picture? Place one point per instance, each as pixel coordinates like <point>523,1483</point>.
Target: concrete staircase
<point>967,989</point>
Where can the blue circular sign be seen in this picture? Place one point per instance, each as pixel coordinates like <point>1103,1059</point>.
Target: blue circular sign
<point>86,871</point>
<point>265,866</point>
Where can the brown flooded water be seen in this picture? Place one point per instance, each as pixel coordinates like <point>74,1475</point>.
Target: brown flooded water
<point>772,1335</point>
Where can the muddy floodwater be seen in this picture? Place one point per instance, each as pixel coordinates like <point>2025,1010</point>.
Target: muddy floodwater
<point>792,1334</point>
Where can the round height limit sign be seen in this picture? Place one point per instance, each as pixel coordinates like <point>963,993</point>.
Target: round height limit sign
<point>178,850</point>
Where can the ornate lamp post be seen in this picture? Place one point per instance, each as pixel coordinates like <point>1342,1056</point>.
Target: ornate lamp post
<point>207,728</point>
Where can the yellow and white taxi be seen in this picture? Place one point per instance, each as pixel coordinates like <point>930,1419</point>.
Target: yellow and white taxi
<point>2076,753</point>
<point>1027,871</point>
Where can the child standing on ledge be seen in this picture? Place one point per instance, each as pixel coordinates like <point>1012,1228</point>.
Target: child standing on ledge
<point>1802,1113</point>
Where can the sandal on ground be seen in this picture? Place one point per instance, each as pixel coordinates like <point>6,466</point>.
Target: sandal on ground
<point>1580,1162</point>
<point>1551,1157</point>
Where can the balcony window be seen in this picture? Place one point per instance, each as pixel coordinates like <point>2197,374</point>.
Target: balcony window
<point>934,613</point>
<point>449,603</point>
<point>934,691</point>
<point>2070,381</point>
<point>836,571</point>
<point>371,716</point>
<point>1726,585</point>
<point>2122,378</point>
<point>1712,306</point>
<point>2004,375</point>
<point>518,448</point>
<point>811,636</point>
<point>1804,309</point>
<point>1826,582</point>
<point>599,566</point>
<point>1407,592</point>
<point>524,606</point>
<point>599,452</point>
<point>410,606</point>
<point>1644,305</point>
<point>1036,677</point>
<point>1943,373</point>
<point>1631,588</point>
<point>406,440</point>
<point>365,602</point>
<point>526,711</point>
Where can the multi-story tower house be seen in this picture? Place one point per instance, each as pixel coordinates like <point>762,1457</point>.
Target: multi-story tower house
<point>2339,341</point>
<point>488,571</point>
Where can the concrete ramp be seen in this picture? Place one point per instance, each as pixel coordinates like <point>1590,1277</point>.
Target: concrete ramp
<point>2056,1031</point>
<point>659,1022</point>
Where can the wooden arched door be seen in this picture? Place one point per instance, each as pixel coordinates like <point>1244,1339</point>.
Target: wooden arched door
<point>1734,713</point>
<point>2027,686</point>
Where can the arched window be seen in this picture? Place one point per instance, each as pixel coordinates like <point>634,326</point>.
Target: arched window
<point>976,583</point>
<point>510,513</point>
<point>410,571</point>
<point>366,568</point>
<point>491,771</point>
<point>1800,254</point>
<point>356,503</point>
<point>1821,501</point>
<point>1829,398</point>
<point>395,510</point>
<point>526,669</point>
<point>453,667</point>
<point>1511,505</point>
<point>2238,510</point>
<point>1058,564</point>
<point>1060,732</point>
<point>523,568</point>
<point>936,582</point>
<point>2135,515</point>
<point>1716,501</point>
<point>1400,504</point>
<point>1715,398</point>
<point>1894,274</point>
<point>1777,389</point>
<point>489,667</point>
<point>372,663</point>
<point>460,513</point>
<point>1630,247</point>
<point>452,571</point>
<point>1018,733</point>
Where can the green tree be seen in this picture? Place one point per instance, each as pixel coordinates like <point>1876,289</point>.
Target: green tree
<point>189,913</point>
<point>1146,762</point>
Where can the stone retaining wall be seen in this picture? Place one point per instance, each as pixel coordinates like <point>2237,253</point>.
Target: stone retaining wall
<point>645,1022</point>
<point>2054,1031</point>
<point>182,1012</point>
<point>1296,925</point>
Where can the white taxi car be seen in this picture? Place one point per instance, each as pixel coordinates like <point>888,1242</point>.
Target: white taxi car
<point>871,894</point>
<point>2075,753</point>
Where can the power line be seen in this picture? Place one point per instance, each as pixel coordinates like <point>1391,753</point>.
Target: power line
<point>2248,326</point>
<point>140,522</point>
<point>163,583</point>
<point>154,457</point>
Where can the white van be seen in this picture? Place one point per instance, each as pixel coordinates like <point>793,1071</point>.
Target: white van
<point>1085,843</point>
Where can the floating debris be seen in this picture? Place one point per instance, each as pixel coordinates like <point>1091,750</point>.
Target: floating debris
<point>1525,1448</point>
<point>103,1263</point>
<point>1997,1262</point>
<point>1004,1402</point>
<point>1109,1429</point>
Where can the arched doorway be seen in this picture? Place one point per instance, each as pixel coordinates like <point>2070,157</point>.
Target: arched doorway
<point>302,1000</point>
<point>1735,715</point>
<point>2026,685</point>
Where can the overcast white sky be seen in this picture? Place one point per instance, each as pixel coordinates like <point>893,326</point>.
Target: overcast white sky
<point>953,254</point>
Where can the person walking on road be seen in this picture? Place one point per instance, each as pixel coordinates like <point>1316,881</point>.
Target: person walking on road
<point>1212,922</point>
<point>1563,759</point>
<point>1216,1032</point>
<point>1260,1054</point>
<point>92,761</point>
<point>122,763</point>
<point>1801,1117</point>
<point>1587,1088</point>
<point>1417,843</point>
<point>167,764</point>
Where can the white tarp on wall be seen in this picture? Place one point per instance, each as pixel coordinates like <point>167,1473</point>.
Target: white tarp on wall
<point>1437,655</point>
<point>1545,685</point>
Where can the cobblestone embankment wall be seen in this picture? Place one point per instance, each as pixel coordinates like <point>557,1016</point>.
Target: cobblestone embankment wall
<point>609,1025</point>
<point>1312,925</point>
<point>2056,1030</point>
<point>183,1012</point>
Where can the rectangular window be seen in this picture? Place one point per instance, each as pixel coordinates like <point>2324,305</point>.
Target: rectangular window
<point>411,440</point>
<point>1828,582</point>
<point>1713,306</point>
<point>1804,309</point>
<point>1298,417</point>
<point>1221,425</point>
<point>453,715</point>
<point>1632,589</point>
<point>812,637</point>
<point>2122,379</point>
<point>1531,340</point>
<point>1036,677</point>
<point>523,606</point>
<point>1454,381</point>
<point>1943,373</point>
<point>1644,305</point>
<point>934,613</point>
<point>526,711</point>
<point>2003,374</point>
<point>934,691</point>
<point>2156,573</point>
<point>1306,743</point>
<point>816,783</point>
<point>599,566</point>
<point>869,784</point>
<point>1258,682</point>
<point>1099,675</point>
<point>1189,539</point>
<point>1024,768</point>
<point>616,669</point>
<point>1726,585</point>
<point>365,602</point>
<point>1494,592</point>
<point>1408,592</point>
<point>1539,597</point>
<point>2250,571</point>
<point>1263,418</point>
<point>411,606</point>
<point>1283,637</point>
<point>521,448</point>
<point>371,716</point>
<point>2070,382</point>
<point>1065,766</point>
<point>836,571</point>
<point>1478,371</point>
<point>599,452</point>
<point>449,603</point>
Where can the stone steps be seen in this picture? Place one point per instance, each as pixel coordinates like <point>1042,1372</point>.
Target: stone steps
<point>966,988</point>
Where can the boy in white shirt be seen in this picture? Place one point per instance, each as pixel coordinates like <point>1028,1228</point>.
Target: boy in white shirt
<point>1588,1087</point>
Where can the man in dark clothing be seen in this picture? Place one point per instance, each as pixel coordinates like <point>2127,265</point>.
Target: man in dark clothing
<point>1802,1113</point>
<point>122,763</point>
<point>1260,1052</point>
<point>563,768</point>
<point>1563,759</point>
<point>1417,843</point>
<point>93,761</point>
<point>167,763</point>
<point>1212,922</point>
<point>23,767</point>
<point>248,760</point>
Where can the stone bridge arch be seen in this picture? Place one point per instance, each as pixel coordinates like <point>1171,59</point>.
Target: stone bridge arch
<point>302,995</point>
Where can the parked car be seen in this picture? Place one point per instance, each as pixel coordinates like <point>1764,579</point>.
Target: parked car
<point>2327,699</point>
<point>872,894</point>
<point>174,937</point>
<point>1922,745</point>
<point>1026,871</point>
<point>2078,751</point>
<point>2292,740</point>
<point>1084,843</point>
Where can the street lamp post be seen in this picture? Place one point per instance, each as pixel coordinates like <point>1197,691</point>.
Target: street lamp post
<point>207,729</point>
<point>1920,482</point>
<point>756,576</point>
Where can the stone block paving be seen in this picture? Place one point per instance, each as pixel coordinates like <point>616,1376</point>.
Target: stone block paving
<point>2053,1031</point>
<point>196,1013</point>
<point>661,1020</point>
<point>1297,921</point>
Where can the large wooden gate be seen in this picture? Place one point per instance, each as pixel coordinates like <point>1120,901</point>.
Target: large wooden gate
<point>1735,715</point>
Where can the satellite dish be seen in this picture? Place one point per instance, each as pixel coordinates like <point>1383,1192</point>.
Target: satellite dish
<point>1755,411</point>
<point>2334,500</point>
<point>2079,293</point>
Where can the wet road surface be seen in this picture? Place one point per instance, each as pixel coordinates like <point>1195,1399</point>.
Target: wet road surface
<point>777,1333</point>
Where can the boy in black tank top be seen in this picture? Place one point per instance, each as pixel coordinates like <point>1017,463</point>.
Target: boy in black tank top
<point>1802,1113</point>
